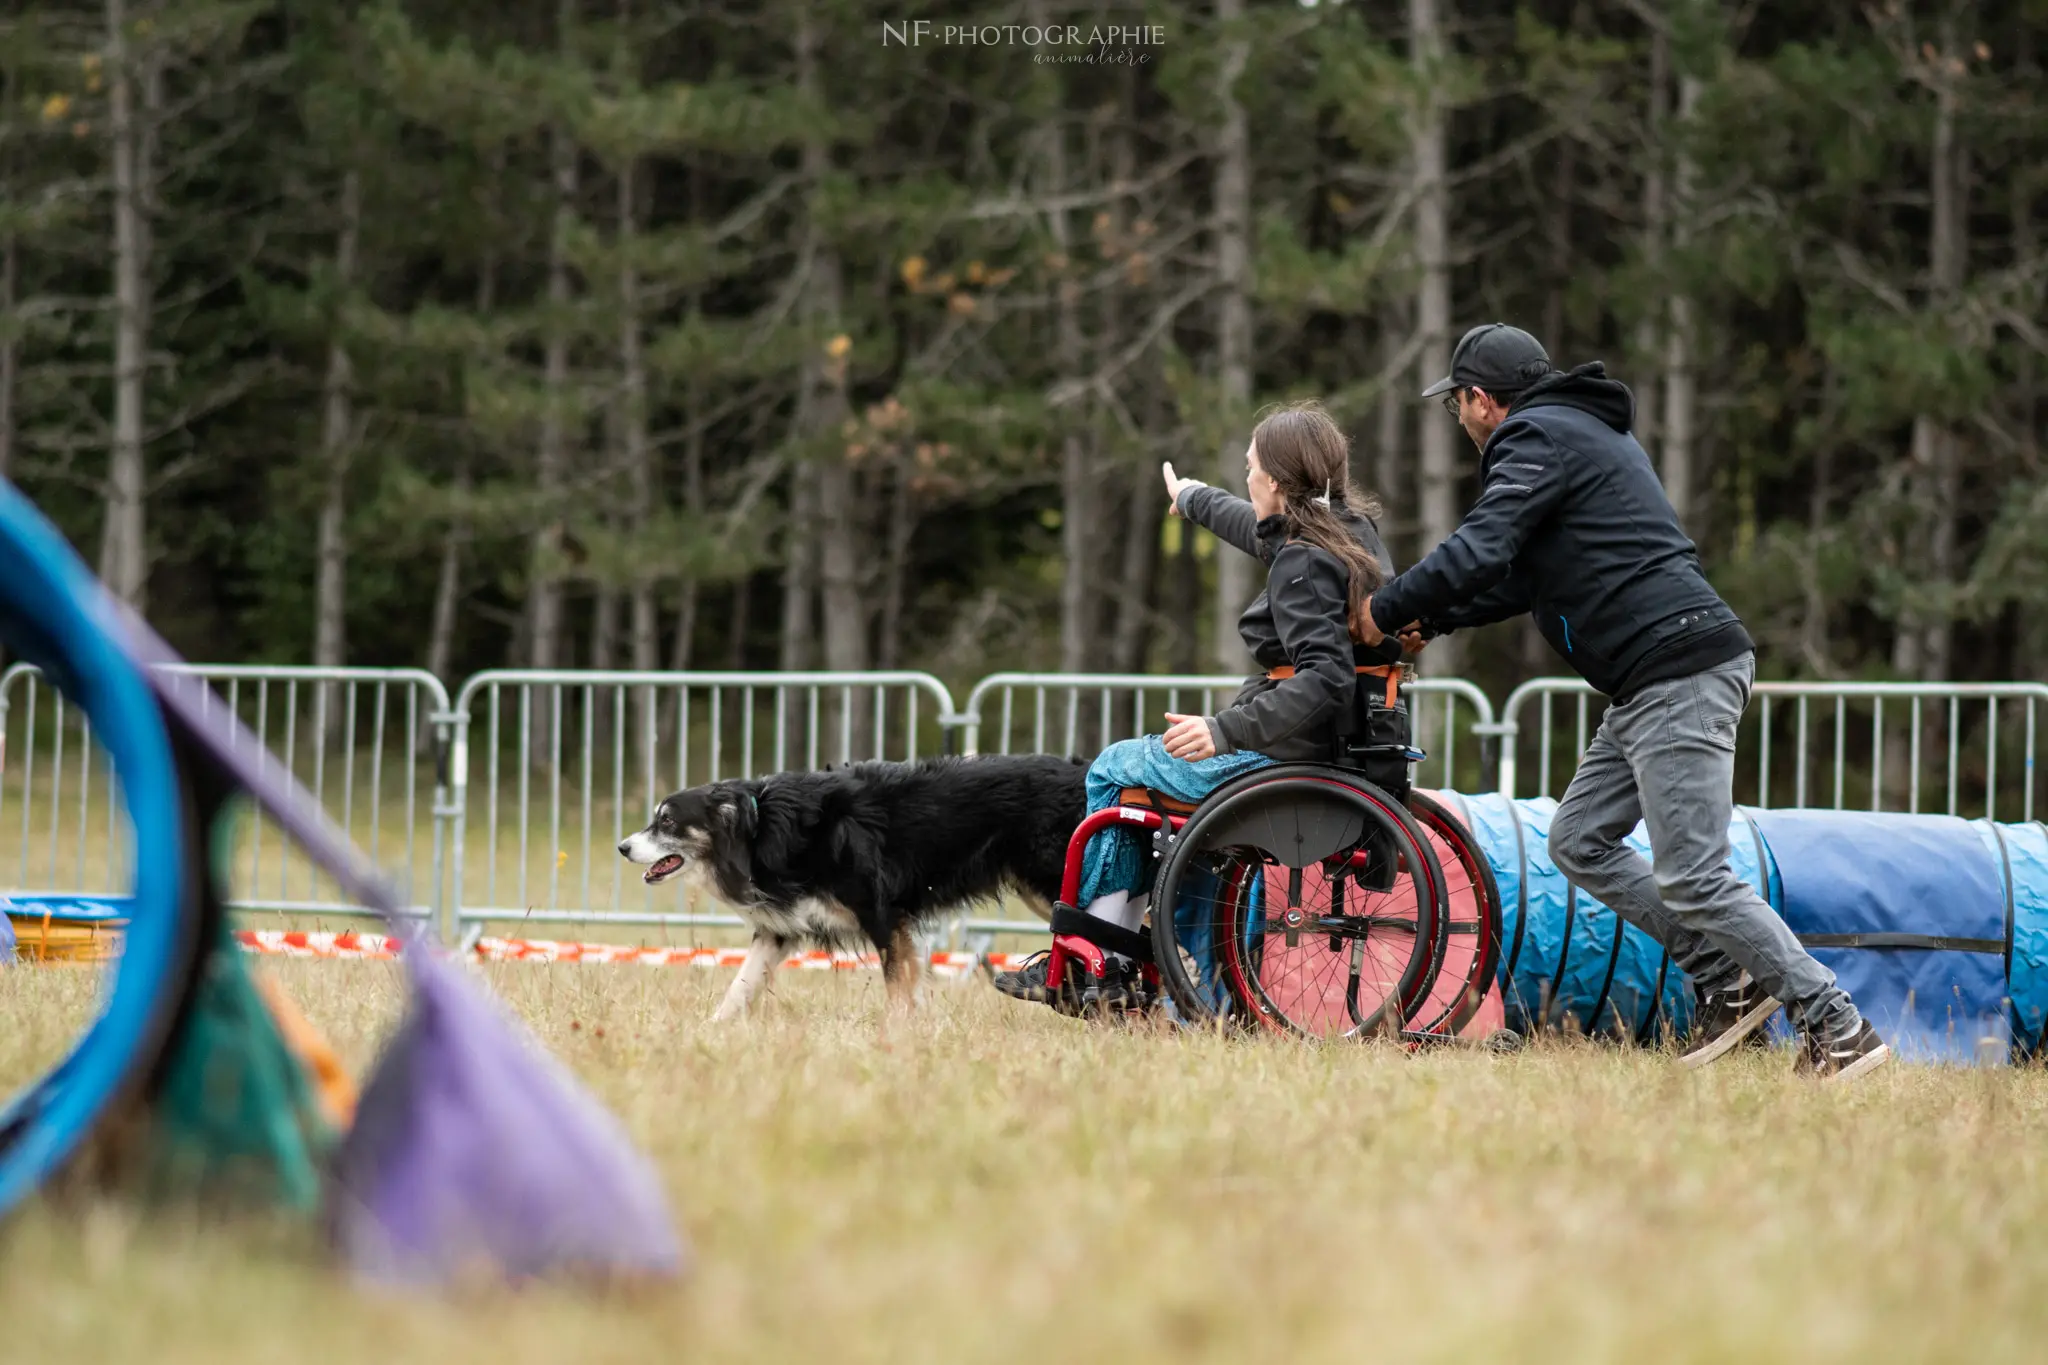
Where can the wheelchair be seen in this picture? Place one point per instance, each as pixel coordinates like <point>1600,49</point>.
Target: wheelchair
<point>1323,900</point>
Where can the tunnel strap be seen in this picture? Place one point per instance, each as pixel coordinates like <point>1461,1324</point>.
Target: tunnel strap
<point>1935,942</point>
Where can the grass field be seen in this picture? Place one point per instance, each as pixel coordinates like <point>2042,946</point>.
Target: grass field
<point>1004,1185</point>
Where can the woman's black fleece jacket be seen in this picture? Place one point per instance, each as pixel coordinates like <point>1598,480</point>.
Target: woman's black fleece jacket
<point>1302,619</point>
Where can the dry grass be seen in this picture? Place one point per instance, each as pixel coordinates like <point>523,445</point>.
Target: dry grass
<point>1005,1185</point>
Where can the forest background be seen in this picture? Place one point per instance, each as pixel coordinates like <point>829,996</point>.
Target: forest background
<point>620,333</point>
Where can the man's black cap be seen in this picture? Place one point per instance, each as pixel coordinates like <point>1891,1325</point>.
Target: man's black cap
<point>1494,357</point>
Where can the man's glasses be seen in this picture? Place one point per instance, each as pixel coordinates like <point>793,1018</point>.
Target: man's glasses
<point>1452,401</point>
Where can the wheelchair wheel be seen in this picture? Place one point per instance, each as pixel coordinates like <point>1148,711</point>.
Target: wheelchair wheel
<point>1308,899</point>
<point>1472,929</point>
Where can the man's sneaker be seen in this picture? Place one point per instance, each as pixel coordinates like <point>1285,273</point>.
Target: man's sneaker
<point>1726,1020</point>
<point>1028,983</point>
<point>1842,1057</point>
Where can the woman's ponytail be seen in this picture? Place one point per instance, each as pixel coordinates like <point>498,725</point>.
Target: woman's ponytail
<point>1302,449</point>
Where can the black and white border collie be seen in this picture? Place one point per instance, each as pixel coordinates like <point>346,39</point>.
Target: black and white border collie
<point>865,851</point>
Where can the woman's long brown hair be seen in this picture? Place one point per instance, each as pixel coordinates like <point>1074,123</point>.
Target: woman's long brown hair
<point>1308,457</point>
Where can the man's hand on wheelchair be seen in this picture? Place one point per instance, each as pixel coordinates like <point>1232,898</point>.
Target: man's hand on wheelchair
<point>1365,628</point>
<point>1188,738</point>
<point>1411,635</point>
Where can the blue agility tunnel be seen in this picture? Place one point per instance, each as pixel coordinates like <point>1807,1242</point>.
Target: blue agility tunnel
<point>1937,926</point>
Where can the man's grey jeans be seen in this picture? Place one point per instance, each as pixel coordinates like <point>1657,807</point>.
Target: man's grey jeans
<point>1667,756</point>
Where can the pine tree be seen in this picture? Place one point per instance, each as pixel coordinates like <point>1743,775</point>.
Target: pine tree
<point>173,69</point>
<point>47,69</point>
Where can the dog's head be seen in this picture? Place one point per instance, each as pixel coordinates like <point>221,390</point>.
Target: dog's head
<point>691,827</point>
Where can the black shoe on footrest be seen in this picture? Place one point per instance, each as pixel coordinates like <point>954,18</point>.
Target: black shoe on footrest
<point>1028,983</point>
<point>1120,989</point>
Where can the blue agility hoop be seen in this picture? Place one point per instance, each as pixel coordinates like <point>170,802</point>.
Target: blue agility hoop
<point>409,1199</point>
<point>55,614</point>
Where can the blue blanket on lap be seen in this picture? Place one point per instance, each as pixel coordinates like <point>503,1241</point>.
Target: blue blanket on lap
<point>1114,861</point>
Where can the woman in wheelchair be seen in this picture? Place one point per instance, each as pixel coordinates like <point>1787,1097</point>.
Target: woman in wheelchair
<point>1323,557</point>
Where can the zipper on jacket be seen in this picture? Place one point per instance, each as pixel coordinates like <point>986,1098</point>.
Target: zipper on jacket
<point>1567,633</point>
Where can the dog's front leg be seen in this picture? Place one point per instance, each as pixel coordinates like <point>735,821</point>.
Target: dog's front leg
<point>901,969</point>
<point>764,954</point>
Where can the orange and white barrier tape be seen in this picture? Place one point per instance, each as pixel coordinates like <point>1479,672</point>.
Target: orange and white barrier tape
<point>297,943</point>
<point>548,950</point>
<point>551,950</point>
<point>316,943</point>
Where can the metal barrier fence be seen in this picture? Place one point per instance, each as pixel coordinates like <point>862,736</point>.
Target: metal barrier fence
<point>353,736</point>
<point>529,778</point>
<point>1087,712</point>
<point>632,738</point>
<point>1871,745</point>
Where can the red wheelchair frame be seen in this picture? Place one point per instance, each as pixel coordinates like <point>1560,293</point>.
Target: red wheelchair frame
<point>1075,952</point>
<point>1092,958</point>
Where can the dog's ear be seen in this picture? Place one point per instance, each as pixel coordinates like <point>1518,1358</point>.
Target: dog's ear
<point>737,813</point>
<point>735,816</point>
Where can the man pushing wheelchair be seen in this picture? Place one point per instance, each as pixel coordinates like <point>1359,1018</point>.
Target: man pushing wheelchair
<point>1573,527</point>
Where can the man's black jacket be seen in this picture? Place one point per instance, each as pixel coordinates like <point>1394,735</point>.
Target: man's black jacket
<point>1301,619</point>
<point>1572,526</point>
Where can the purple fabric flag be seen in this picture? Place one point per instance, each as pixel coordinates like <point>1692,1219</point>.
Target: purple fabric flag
<point>473,1150</point>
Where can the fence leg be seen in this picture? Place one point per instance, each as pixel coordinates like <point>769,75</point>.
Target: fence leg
<point>1497,751</point>
<point>450,819</point>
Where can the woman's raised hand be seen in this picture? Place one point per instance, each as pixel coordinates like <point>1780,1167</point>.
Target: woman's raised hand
<point>1174,485</point>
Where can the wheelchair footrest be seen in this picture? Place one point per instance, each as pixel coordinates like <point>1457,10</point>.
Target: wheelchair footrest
<point>1072,923</point>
